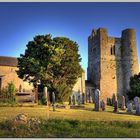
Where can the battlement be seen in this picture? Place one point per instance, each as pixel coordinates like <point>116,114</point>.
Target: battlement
<point>112,61</point>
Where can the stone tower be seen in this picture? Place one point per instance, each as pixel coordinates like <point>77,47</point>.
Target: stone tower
<point>112,61</point>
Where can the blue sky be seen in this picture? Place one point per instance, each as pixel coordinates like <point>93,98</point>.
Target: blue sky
<point>20,22</point>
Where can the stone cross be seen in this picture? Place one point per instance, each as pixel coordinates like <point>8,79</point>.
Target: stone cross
<point>102,105</point>
<point>78,100</point>
<point>129,107</point>
<point>123,107</point>
<point>137,105</point>
<point>96,99</point>
<point>115,106</point>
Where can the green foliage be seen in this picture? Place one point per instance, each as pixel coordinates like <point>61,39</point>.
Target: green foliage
<point>134,87</point>
<point>43,100</point>
<point>8,93</point>
<point>53,61</point>
<point>56,128</point>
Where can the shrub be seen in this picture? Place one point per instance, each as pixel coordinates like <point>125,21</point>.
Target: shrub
<point>7,94</point>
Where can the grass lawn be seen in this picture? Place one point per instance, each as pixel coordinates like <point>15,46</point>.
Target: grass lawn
<point>71,122</point>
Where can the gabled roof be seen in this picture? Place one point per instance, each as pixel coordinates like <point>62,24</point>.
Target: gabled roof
<point>8,61</point>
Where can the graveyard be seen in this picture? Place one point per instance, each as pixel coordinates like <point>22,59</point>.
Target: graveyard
<point>66,122</point>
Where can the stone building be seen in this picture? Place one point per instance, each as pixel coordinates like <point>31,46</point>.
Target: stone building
<point>8,67</point>
<point>112,61</point>
<point>79,87</point>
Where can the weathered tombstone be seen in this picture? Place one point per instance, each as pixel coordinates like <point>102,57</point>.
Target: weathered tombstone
<point>83,98</point>
<point>20,88</point>
<point>123,107</point>
<point>86,98</point>
<point>73,99</point>
<point>115,106</point>
<point>70,100</point>
<point>137,105</point>
<point>45,94</point>
<point>102,105</point>
<point>113,99</point>
<point>96,99</point>
<point>129,107</point>
<point>53,100</point>
<point>92,97</point>
<point>78,100</point>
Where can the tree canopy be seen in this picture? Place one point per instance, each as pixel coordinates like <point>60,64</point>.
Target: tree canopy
<point>134,87</point>
<point>53,61</point>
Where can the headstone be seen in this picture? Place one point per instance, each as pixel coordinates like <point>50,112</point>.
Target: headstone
<point>20,88</point>
<point>83,98</point>
<point>73,100</point>
<point>96,99</point>
<point>53,100</point>
<point>113,99</point>
<point>86,97</point>
<point>78,100</point>
<point>93,98</point>
<point>123,107</point>
<point>137,105</point>
<point>45,94</point>
<point>115,106</point>
<point>70,100</point>
<point>129,107</point>
<point>102,105</point>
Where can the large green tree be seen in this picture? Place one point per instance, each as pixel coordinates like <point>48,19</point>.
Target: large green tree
<point>53,61</point>
<point>134,87</point>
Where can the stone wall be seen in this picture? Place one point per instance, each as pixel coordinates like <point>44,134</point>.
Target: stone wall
<point>80,85</point>
<point>8,74</point>
<point>112,61</point>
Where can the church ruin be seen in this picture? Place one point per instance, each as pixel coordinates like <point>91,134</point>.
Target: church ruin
<point>112,61</point>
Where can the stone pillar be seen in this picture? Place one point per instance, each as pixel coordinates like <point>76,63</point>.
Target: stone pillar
<point>123,107</point>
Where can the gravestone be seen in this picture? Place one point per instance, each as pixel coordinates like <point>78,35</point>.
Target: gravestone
<point>73,100</point>
<point>123,107</point>
<point>115,106</point>
<point>83,98</point>
<point>78,100</point>
<point>137,105</point>
<point>45,95</point>
<point>20,88</point>
<point>96,99</point>
<point>113,99</point>
<point>53,100</point>
<point>70,100</point>
<point>129,107</point>
<point>102,105</point>
<point>86,98</point>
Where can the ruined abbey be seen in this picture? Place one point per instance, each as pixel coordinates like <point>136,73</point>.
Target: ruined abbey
<point>112,61</point>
